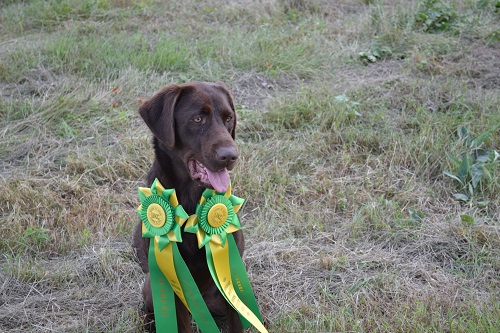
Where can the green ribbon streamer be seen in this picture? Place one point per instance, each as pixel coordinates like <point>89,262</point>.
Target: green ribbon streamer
<point>239,278</point>
<point>199,309</point>
<point>241,282</point>
<point>163,294</point>
<point>164,300</point>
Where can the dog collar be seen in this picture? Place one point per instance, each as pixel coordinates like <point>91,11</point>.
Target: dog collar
<point>214,221</point>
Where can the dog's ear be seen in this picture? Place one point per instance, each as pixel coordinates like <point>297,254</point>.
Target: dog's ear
<point>158,113</point>
<point>233,132</point>
<point>229,96</point>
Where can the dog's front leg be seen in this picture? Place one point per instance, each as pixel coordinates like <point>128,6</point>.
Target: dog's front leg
<point>149,317</point>
<point>183,317</point>
<point>233,322</point>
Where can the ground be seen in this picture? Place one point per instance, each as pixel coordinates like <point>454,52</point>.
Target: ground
<point>352,115</point>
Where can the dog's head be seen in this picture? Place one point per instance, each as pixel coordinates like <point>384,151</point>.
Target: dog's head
<point>196,121</point>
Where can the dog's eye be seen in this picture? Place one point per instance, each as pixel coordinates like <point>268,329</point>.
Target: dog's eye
<point>198,119</point>
<point>229,119</point>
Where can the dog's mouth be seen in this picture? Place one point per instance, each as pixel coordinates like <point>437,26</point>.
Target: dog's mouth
<point>218,180</point>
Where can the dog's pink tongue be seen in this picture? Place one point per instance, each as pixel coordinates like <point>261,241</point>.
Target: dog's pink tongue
<point>219,180</point>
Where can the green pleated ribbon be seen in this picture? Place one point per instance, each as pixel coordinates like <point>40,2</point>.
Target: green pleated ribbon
<point>162,218</point>
<point>213,223</point>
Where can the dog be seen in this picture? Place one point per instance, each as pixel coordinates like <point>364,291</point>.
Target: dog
<point>194,128</point>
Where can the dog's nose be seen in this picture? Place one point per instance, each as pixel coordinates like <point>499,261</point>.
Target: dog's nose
<point>226,155</point>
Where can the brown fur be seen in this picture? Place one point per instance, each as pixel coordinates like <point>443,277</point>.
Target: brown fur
<point>172,115</point>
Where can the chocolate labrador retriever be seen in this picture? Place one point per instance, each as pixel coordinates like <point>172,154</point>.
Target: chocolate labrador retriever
<point>193,128</point>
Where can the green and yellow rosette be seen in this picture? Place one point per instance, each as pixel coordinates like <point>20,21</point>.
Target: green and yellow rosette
<point>213,223</point>
<point>162,218</point>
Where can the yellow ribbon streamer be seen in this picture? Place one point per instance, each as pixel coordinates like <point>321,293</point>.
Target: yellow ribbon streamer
<point>165,260</point>
<point>221,263</point>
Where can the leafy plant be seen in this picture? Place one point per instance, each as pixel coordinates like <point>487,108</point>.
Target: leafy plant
<point>492,38</point>
<point>435,15</point>
<point>376,52</point>
<point>416,215</point>
<point>474,168</point>
<point>351,106</point>
<point>34,237</point>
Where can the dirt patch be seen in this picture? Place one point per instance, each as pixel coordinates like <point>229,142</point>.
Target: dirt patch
<point>333,9</point>
<point>254,91</point>
<point>372,75</point>
<point>484,66</point>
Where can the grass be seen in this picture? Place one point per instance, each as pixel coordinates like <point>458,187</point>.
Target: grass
<point>348,113</point>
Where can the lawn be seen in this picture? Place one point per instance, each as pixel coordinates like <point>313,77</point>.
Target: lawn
<point>369,141</point>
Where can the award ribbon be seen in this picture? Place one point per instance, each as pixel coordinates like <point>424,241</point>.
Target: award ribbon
<point>213,223</point>
<point>162,218</point>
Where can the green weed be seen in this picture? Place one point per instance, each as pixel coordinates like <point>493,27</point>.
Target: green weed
<point>435,15</point>
<point>33,237</point>
<point>376,52</point>
<point>475,168</point>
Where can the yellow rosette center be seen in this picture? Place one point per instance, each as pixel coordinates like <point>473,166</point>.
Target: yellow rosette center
<point>156,215</point>
<point>217,215</point>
